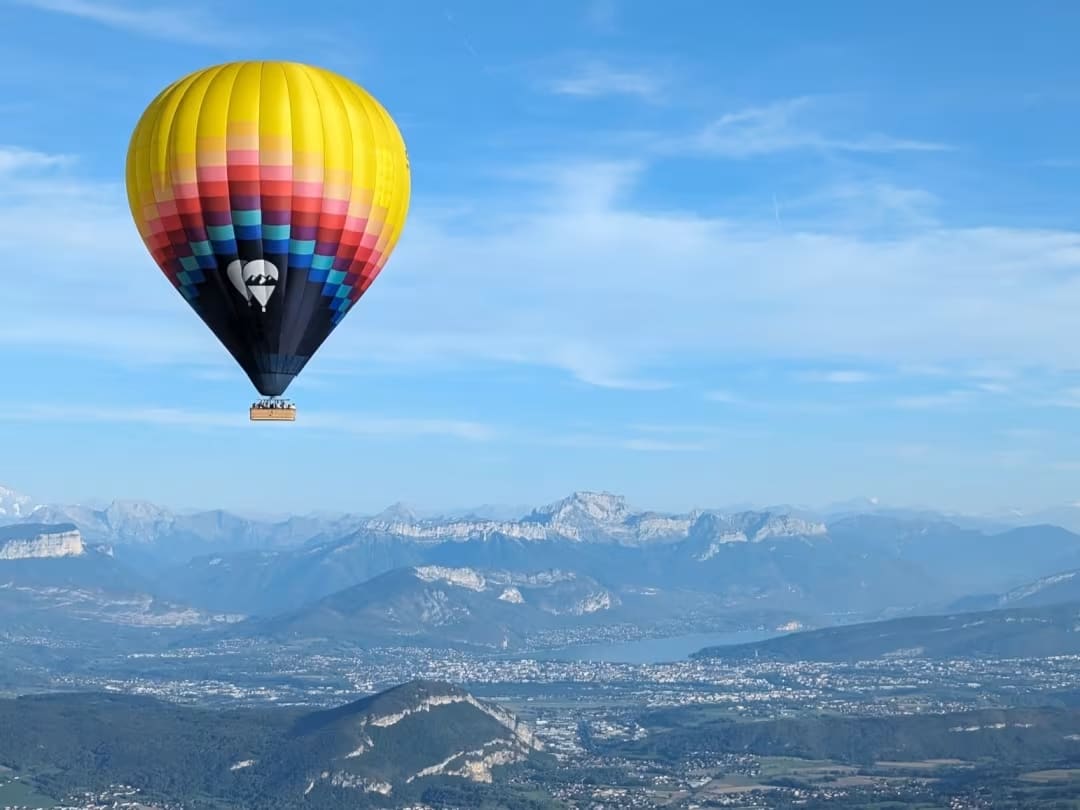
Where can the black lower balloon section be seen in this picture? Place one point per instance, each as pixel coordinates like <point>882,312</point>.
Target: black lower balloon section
<point>271,345</point>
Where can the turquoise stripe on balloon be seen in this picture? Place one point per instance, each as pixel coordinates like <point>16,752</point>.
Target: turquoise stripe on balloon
<point>336,277</point>
<point>202,248</point>
<point>220,233</point>
<point>189,263</point>
<point>301,246</point>
<point>320,262</point>
<point>247,217</point>
<point>275,232</point>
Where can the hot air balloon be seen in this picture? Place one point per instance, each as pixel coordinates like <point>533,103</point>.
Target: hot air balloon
<point>271,195</point>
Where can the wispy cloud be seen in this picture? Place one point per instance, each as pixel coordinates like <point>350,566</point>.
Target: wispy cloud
<point>725,397</point>
<point>613,295</point>
<point>598,79</point>
<point>1059,163</point>
<point>947,399</point>
<point>637,444</point>
<point>1067,398</point>
<point>186,24</point>
<point>781,127</point>
<point>359,424</point>
<point>700,431</point>
<point>602,15</point>
<point>1012,458</point>
<point>14,159</point>
<point>865,205</point>
<point>381,426</point>
<point>1026,434</point>
<point>838,376</point>
<point>923,370</point>
<point>660,446</point>
<point>908,450</point>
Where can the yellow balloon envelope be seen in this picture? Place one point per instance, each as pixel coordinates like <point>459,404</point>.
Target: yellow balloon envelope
<point>271,195</point>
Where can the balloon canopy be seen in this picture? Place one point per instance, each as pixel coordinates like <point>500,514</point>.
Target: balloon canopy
<point>271,195</point>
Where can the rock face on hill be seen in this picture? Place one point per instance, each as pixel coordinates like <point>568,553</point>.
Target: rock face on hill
<point>389,745</point>
<point>37,541</point>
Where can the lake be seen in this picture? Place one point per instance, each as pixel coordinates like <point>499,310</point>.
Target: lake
<point>652,650</point>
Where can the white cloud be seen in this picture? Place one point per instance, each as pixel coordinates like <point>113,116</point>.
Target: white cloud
<point>186,24</point>
<point>1026,434</point>
<point>384,426</point>
<point>602,15</point>
<point>725,397</point>
<point>838,376</point>
<point>1067,398</point>
<point>700,431</point>
<point>597,79</point>
<point>360,424</point>
<point>1059,163</point>
<point>948,399</point>
<point>14,159</point>
<point>568,276</point>
<point>908,451</point>
<point>637,444</point>
<point>864,205</point>
<point>660,446</point>
<point>780,127</point>
<point>923,370</point>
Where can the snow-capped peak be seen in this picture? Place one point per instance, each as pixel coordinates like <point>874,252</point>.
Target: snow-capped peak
<point>593,507</point>
<point>584,515</point>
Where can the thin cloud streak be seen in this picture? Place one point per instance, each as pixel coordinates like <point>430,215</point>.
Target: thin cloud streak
<point>586,299</point>
<point>357,424</point>
<point>15,159</point>
<point>949,399</point>
<point>598,79</point>
<point>837,377</point>
<point>779,127</point>
<point>632,444</point>
<point>602,15</point>
<point>187,25</point>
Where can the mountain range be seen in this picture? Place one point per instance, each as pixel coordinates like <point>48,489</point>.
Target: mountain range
<point>856,565</point>
<point>585,561</point>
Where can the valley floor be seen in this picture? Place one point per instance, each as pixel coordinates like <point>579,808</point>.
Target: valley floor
<point>591,715</point>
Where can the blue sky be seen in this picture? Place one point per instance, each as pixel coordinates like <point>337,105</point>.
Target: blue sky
<point>698,255</point>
